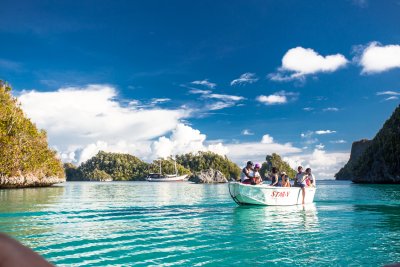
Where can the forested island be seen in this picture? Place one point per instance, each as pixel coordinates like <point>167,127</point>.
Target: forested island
<point>378,160</point>
<point>107,166</point>
<point>25,157</point>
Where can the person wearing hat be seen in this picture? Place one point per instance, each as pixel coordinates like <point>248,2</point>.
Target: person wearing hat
<point>245,176</point>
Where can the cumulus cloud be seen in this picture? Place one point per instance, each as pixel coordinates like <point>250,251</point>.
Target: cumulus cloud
<point>205,83</point>
<point>267,139</point>
<point>247,132</point>
<point>76,118</point>
<point>324,132</point>
<point>184,139</point>
<point>245,78</point>
<point>242,152</point>
<point>323,164</point>
<point>277,98</point>
<point>299,62</point>
<point>376,58</point>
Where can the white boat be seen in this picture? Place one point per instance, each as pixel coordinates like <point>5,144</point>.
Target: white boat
<point>159,177</point>
<point>244,194</point>
<point>156,177</point>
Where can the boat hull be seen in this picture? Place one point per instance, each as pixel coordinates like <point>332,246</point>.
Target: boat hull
<point>168,179</point>
<point>244,194</point>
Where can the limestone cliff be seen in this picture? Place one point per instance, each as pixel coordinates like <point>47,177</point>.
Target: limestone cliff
<point>380,162</point>
<point>357,149</point>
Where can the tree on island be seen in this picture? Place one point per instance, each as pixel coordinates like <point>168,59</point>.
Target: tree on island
<point>275,160</point>
<point>200,161</point>
<point>23,148</point>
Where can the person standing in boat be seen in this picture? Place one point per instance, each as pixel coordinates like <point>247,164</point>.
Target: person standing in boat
<point>274,176</point>
<point>300,181</point>
<point>245,176</point>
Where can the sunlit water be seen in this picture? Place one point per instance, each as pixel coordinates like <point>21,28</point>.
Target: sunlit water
<point>163,224</point>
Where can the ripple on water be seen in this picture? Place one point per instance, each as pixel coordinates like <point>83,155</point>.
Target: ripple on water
<point>150,224</point>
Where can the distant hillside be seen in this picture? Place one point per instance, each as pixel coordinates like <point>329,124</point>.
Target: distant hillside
<point>107,166</point>
<point>200,161</point>
<point>25,158</point>
<point>380,163</point>
<point>357,149</point>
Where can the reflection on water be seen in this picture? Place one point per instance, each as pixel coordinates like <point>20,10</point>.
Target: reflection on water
<point>23,210</point>
<point>273,218</point>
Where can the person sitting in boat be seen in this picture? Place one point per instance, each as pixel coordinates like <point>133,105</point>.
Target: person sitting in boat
<point>310,180</point>
<point>246,176</point>
<point>285,180</point>
<point>256,174</point>
<point>274,176</point>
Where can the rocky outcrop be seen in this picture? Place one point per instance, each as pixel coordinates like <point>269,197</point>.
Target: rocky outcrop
<point>357,149</point>
<point>28,181</point>
<point>209,176</point>
<point>380,162</point>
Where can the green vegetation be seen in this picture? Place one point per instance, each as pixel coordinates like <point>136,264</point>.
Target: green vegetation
<point>275,160</point>
<point>118,167</point>
<point>206,160</point>
<point>23,148</point>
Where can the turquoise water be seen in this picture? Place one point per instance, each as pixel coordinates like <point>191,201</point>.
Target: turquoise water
<point>163,224</point>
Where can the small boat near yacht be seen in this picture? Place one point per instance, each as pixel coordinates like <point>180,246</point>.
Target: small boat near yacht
<point>244,194</point>
<point>159,177</point>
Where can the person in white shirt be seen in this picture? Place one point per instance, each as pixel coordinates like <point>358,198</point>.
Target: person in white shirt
<point>245,176</point>
<point>300,181</point>
<point>311,178</point>
<point>256,174</point>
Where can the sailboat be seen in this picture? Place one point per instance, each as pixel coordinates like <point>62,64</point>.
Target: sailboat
<point>159,177</point>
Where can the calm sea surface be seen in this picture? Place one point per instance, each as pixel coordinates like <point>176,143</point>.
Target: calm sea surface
<point>163,224</point>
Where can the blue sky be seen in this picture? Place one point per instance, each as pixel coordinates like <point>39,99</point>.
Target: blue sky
<point>309,67</point>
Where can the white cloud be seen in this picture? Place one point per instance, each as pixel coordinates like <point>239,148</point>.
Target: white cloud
<point>245,78</point>
<point>205,83</point>
<point>267,139</point>
<point>388,93</point>
<point>319,146</point>
<point>247,132</point>
<point>299,62</point>
<point>308,109</point>
<point>330,109</point>
<point>277,98</point>
<point>341,141</point>
<point>272,99</point>
<point>184,139</point>
<point>324,132</point>
<point>222,100</point>
<point>323,164</point>
<point>155,101</point>
<point>391,98</point>
<point>198,91</point>
<point>76,118</point>
<point>376,58</point>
